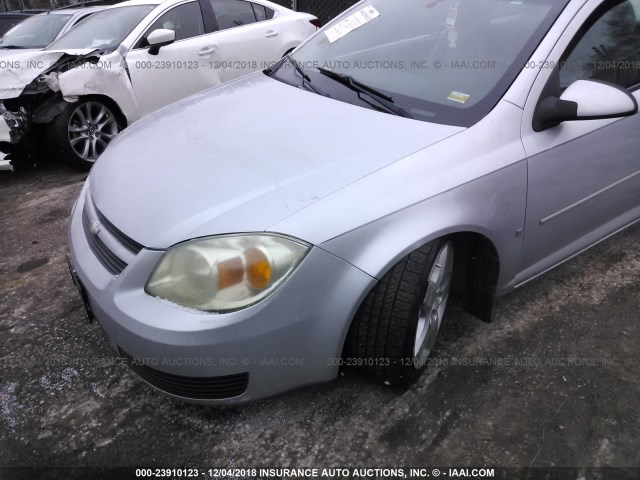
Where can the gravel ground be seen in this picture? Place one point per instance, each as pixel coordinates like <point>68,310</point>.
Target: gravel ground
<point>566,394</point>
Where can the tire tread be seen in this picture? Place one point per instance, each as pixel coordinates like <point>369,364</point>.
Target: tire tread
<point>382,327</point>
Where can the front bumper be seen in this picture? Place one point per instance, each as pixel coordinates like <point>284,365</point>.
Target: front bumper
<point>5,136</point>
<point>291,338</point>
<point>4,163</point>
<point>13,126</point>
<point>5,131</point>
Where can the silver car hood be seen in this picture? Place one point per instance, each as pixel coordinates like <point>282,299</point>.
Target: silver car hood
<point>243,157</point>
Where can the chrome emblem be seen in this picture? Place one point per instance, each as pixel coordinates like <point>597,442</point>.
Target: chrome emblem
<point>95,227</point>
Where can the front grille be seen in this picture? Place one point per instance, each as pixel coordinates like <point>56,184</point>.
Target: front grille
<point>197,388</point>
<point>107,258</point>
<point>112,247</point>
<point>127,242</point>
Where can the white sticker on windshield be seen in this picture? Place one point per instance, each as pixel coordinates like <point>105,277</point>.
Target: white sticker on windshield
<point>458,97</point>
<point>350,23</point>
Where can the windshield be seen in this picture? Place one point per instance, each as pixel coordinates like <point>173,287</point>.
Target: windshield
<point>104,30</point>
<point>35,32</point>
<point>446,61</point>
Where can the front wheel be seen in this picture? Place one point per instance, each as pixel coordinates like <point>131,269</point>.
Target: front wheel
<point>83,131</point>
<point>396,326</point>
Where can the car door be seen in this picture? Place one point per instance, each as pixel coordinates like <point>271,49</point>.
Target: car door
<point>583,176</point>
<point>247,40</point>
<point>179,69</point>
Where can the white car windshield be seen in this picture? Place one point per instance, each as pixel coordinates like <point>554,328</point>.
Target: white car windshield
<point>447,61</point>
<point>104,30</point>
<point>35,32</point>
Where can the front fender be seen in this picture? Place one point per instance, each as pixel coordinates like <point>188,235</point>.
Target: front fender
<point>492,206</point>
<point>108,78</point>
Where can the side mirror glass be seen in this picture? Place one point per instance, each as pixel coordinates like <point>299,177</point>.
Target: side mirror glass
<point>584,100</point>
<point>159,38</point>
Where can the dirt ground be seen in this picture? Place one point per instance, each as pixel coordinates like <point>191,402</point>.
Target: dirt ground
<point>553,382</point>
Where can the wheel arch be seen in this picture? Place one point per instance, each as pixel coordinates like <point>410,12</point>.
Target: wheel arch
<point>476,272</point>
<point>477,268</point>
<point>485,218</point>
<point>475,276</point>
<point>51,109</point>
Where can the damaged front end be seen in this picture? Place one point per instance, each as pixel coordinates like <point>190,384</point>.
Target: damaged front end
<point>38,104</point>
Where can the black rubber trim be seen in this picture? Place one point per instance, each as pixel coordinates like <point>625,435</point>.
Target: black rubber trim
<point>106,257</point>
<point>197,388</point>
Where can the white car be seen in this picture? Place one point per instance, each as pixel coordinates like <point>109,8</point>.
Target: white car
<point>130,59</point>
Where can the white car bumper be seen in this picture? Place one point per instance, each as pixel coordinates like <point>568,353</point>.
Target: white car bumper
<point>5,131</point>
<point>4,137</point>
<point>5,165</point>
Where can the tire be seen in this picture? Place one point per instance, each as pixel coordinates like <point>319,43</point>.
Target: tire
<point>83,130</point>
<point>395,328</point>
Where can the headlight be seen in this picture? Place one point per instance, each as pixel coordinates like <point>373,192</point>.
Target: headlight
<point>225,273</point>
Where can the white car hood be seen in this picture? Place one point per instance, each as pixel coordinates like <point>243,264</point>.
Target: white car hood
<point>21,67</point>
<point>243,157</point>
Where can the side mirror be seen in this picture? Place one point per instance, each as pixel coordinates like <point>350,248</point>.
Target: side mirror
<point>584,100</point>
<point>159,38</point>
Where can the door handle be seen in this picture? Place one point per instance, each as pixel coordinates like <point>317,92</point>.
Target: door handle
<point>271,34</point>
<point>207,51</point>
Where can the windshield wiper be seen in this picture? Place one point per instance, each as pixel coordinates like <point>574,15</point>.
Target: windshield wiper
<point>360,88</point>
<point>298,68</point>
<point>305,78</point>
<point>13,46</point>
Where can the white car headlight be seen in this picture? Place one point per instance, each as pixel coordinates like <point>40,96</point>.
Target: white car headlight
<point>224,273</point>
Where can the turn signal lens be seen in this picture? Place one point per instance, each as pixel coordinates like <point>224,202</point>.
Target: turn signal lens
<point>258,268</point>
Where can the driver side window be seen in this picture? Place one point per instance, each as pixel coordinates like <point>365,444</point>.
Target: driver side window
<point>185,20</point>
<point>609,48</point>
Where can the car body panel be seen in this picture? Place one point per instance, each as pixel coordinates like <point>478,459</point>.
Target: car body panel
<point>453,186</point>
<point>229,177</point>
<point>108,78</point>
<point>23,68</point>
<point>152,92</point>
<point>574,199</point>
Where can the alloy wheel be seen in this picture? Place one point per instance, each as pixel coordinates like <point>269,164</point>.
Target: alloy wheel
<point>92,126</point>
<point>433,305</point>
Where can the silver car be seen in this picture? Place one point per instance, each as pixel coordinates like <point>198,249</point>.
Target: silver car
<point>261,235</point>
